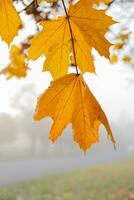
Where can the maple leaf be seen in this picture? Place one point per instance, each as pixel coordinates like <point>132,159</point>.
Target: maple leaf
<point>17,66</point>
<point>10,21</point>
<point>83,28</point>
<point>69,100</point>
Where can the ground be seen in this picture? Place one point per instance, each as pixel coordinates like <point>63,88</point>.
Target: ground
<point>104,182</point>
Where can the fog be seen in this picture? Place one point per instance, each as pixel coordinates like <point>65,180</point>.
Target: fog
<point>26,153</point>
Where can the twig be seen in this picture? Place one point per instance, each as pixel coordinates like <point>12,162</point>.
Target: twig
<point>72,39</point>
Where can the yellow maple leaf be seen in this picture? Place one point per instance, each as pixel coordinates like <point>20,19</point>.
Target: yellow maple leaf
<point>83,28</point>
<point>17,66</point>
<point>69,100</point>
<point>10,21</point>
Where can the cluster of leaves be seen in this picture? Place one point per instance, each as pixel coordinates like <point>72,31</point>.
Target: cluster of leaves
<point>117,53</point>
<point>122,51</point>
<point>17,66</point>
<point>65,41</point>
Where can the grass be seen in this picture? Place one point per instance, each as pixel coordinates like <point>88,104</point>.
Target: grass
<point>104,182</point>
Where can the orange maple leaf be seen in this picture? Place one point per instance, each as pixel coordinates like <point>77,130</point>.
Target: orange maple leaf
<point>69,100</point>
<point>83,28</point>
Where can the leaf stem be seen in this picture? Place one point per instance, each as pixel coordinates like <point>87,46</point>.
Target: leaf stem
<point>71,33</point>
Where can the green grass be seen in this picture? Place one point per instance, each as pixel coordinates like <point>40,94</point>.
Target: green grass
<point>104,182</point>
